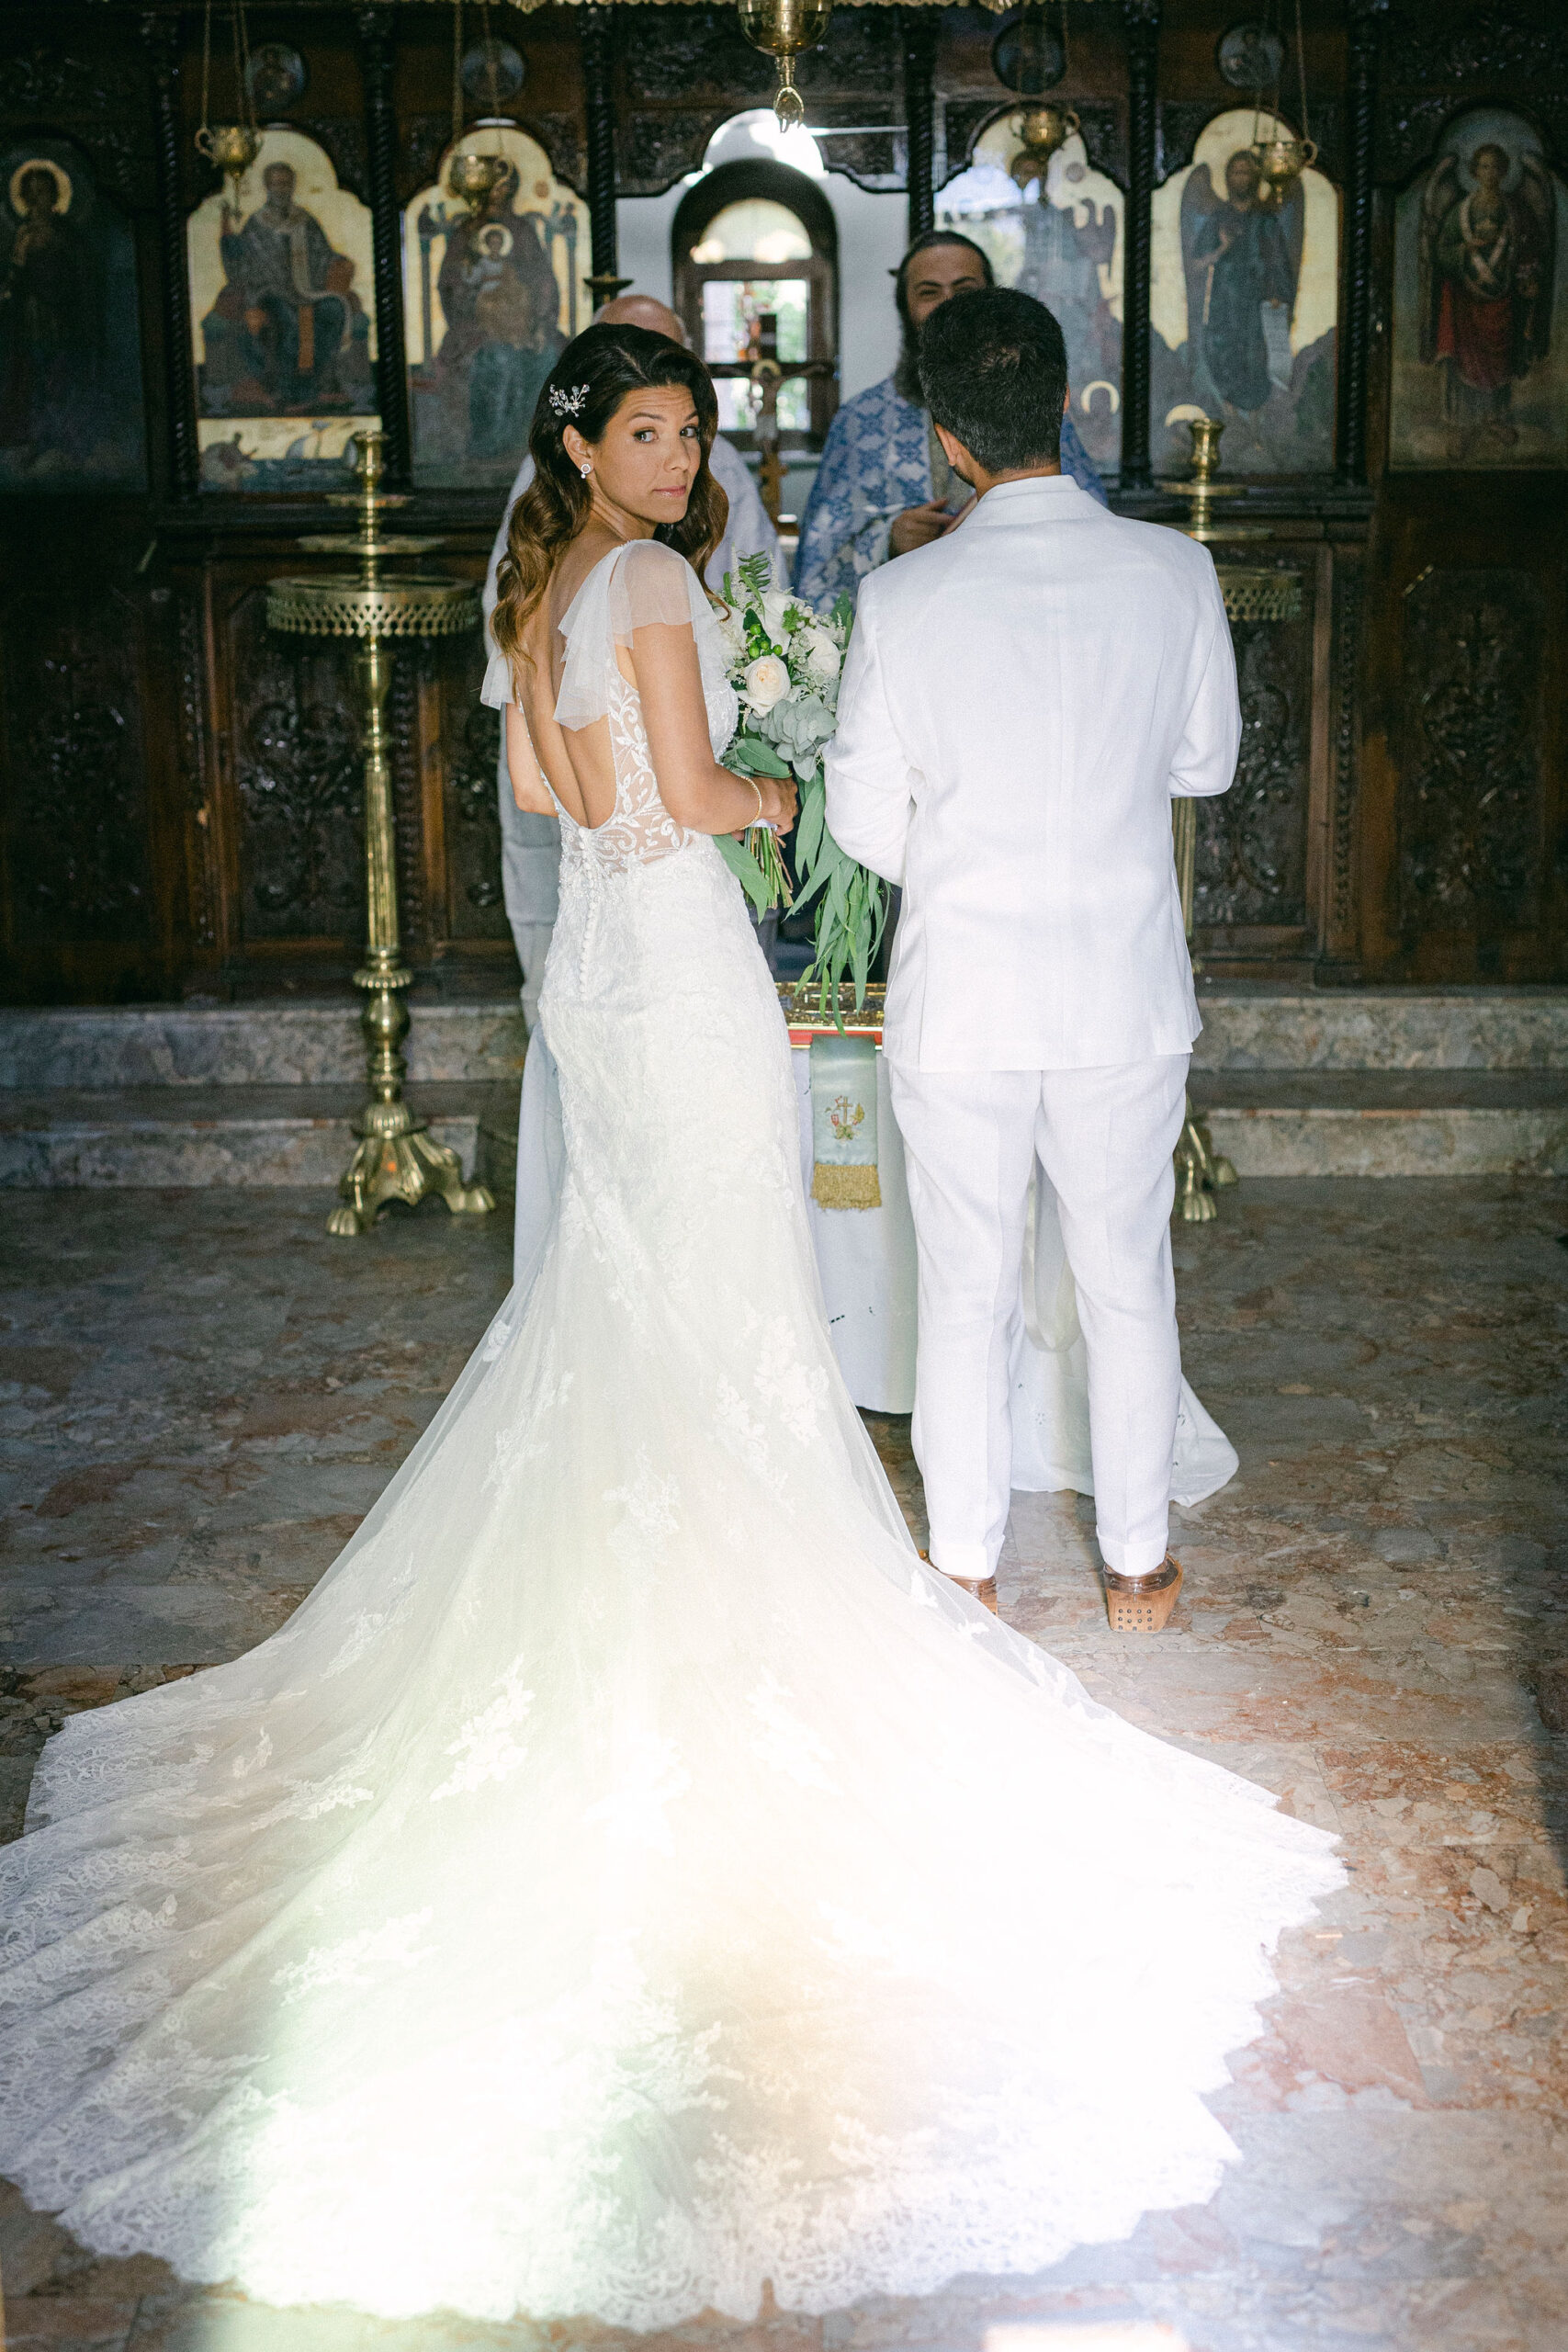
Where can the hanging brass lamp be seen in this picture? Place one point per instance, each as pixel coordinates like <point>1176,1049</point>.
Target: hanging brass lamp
<point>1280,155</point>
<point>473,175</point>
<point>1281,162</point>
<point>1043,129</point>
<point>785,29</point>
<point>233,146</point>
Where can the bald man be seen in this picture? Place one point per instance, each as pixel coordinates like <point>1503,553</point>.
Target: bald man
<point>530,845</point>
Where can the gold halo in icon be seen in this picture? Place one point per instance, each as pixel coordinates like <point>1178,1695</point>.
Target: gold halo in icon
<point>39,163</point>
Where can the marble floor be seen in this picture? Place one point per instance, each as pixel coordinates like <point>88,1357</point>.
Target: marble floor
<point>200,1394</point>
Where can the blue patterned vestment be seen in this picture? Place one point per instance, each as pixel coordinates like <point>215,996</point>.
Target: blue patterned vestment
<point>876,461</point>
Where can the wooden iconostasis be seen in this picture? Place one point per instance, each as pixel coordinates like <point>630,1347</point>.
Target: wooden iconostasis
<point>179,374</point>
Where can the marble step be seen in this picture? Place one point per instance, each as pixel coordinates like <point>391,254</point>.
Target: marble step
<point>153,1137</point>
<point>1247,1025</point>
<point>1270,1123</point>
<point>1388,1122</point>
<point>1255,1024</point>
<point>263,1044</point>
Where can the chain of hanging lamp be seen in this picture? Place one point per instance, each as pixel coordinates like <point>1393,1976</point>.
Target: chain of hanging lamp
<point>233,146</point>
<point>473,176</point>
<point>1280,157</point>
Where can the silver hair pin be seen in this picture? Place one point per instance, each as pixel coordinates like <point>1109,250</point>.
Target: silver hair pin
<point>567,404</point>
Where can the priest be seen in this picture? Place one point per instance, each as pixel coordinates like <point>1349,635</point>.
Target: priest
<point>884,485</point>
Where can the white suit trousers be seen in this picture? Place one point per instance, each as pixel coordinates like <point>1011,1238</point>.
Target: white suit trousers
<point>1104,1137</point>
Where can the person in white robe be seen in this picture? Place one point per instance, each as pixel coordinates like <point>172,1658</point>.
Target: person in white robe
<point>1021,698</point>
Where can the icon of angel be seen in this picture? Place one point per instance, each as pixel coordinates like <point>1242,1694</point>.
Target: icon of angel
<point>1486,263</point>
<point>1242,255</point>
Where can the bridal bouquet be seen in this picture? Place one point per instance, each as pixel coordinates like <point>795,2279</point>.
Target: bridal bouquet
<point>785,664</point>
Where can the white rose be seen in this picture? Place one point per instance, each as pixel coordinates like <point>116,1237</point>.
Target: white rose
<point>765,683</point>
<point>823,657</point>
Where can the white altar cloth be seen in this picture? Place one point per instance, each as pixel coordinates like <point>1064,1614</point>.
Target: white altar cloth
<point>866,1259</point>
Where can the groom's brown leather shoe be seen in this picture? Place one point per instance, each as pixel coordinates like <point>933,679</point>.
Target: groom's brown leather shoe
<point>1142,1604</point>
<point>981,1589</point>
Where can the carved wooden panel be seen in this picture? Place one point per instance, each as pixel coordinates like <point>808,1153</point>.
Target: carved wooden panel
<point>1252,840</point>
<point>1430,68</point>
<point>1341,927</point>
<point>684,72</point>
<point>1471,792</point>
<point>296,765</point>
<point>76,812</point>
<point>475,909</point>
<point>203,866</point>
<point>1490,45</point>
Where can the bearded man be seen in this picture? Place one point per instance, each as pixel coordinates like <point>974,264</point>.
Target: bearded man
<point>884,485</point>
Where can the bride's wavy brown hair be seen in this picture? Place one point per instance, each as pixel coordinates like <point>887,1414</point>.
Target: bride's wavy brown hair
<point>595,373</point>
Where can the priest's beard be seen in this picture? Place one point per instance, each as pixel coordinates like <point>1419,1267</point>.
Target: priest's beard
<point>906,375</point>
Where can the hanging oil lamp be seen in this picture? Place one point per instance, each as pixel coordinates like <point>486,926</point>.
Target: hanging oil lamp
<point>783,30</point>
<point>1280,155</point>
<point>1044,130</point>
<point>232,146</point>
<point>473,176</point>
<point>1281,162</point>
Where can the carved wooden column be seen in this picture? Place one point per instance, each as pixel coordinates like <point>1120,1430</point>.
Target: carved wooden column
<point>595,25</point>
<point>1355,308</point>
<point>377,46</point>
<point>922,29</point>
<point>1142,69</point>
<point>162,35</point>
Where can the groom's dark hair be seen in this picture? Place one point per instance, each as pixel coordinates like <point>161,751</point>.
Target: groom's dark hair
<point>994,371</point>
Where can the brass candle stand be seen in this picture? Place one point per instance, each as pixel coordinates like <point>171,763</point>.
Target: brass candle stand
<point>396,1160</point>
<point>1252,592</point>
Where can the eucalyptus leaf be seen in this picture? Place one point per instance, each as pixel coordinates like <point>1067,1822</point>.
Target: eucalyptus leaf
<point>746,870</point>
<point>750,755</point>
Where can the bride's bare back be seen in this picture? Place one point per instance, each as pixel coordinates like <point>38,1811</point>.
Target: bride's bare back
<point>577,764</point>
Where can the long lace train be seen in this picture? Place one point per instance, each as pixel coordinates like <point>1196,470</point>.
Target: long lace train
<point>632,1874</point>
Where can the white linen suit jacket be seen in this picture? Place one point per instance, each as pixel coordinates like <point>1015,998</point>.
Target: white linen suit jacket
<point>1021,700</point>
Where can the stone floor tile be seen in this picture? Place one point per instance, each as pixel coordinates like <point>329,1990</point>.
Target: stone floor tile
<point>199,1393</point>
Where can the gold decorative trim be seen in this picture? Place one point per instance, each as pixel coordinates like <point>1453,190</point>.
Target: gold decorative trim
<point>527,7</point>
<point>837,1187</point>
<point>336,607</point>
<point>1259,595</point>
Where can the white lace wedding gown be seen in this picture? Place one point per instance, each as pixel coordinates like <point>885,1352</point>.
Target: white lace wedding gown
<point>632,1874</point>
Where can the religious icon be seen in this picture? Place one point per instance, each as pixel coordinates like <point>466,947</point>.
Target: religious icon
<point>1244,305</point>
<point>1244,263</point>
<point>1478,248</point>
<point>282,323</point>
<point>275,77</point>
<point>1060,239</point>
<point>491,300</point>
<point>491,72</point>
<point>69,338</point>
<point>1251,57</point>
<point>289,334</point>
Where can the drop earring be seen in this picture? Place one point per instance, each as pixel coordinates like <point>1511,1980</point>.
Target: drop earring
<point>585,470</point>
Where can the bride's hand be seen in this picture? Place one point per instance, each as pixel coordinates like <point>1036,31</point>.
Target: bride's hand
<point>778,801</point>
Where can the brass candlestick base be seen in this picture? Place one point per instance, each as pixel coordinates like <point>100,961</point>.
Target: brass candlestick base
<point>1200,1168</point>
<point>1201,486</point>
<point>396,1160</point>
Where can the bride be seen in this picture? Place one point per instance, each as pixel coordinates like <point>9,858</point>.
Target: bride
<point>632,1874</point>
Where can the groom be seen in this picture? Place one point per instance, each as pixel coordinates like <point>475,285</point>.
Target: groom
<point>1021,700</point>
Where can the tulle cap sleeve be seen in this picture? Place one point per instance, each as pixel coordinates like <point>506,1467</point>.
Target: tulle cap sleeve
<point>499,687</point>
<point>643,585</point>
